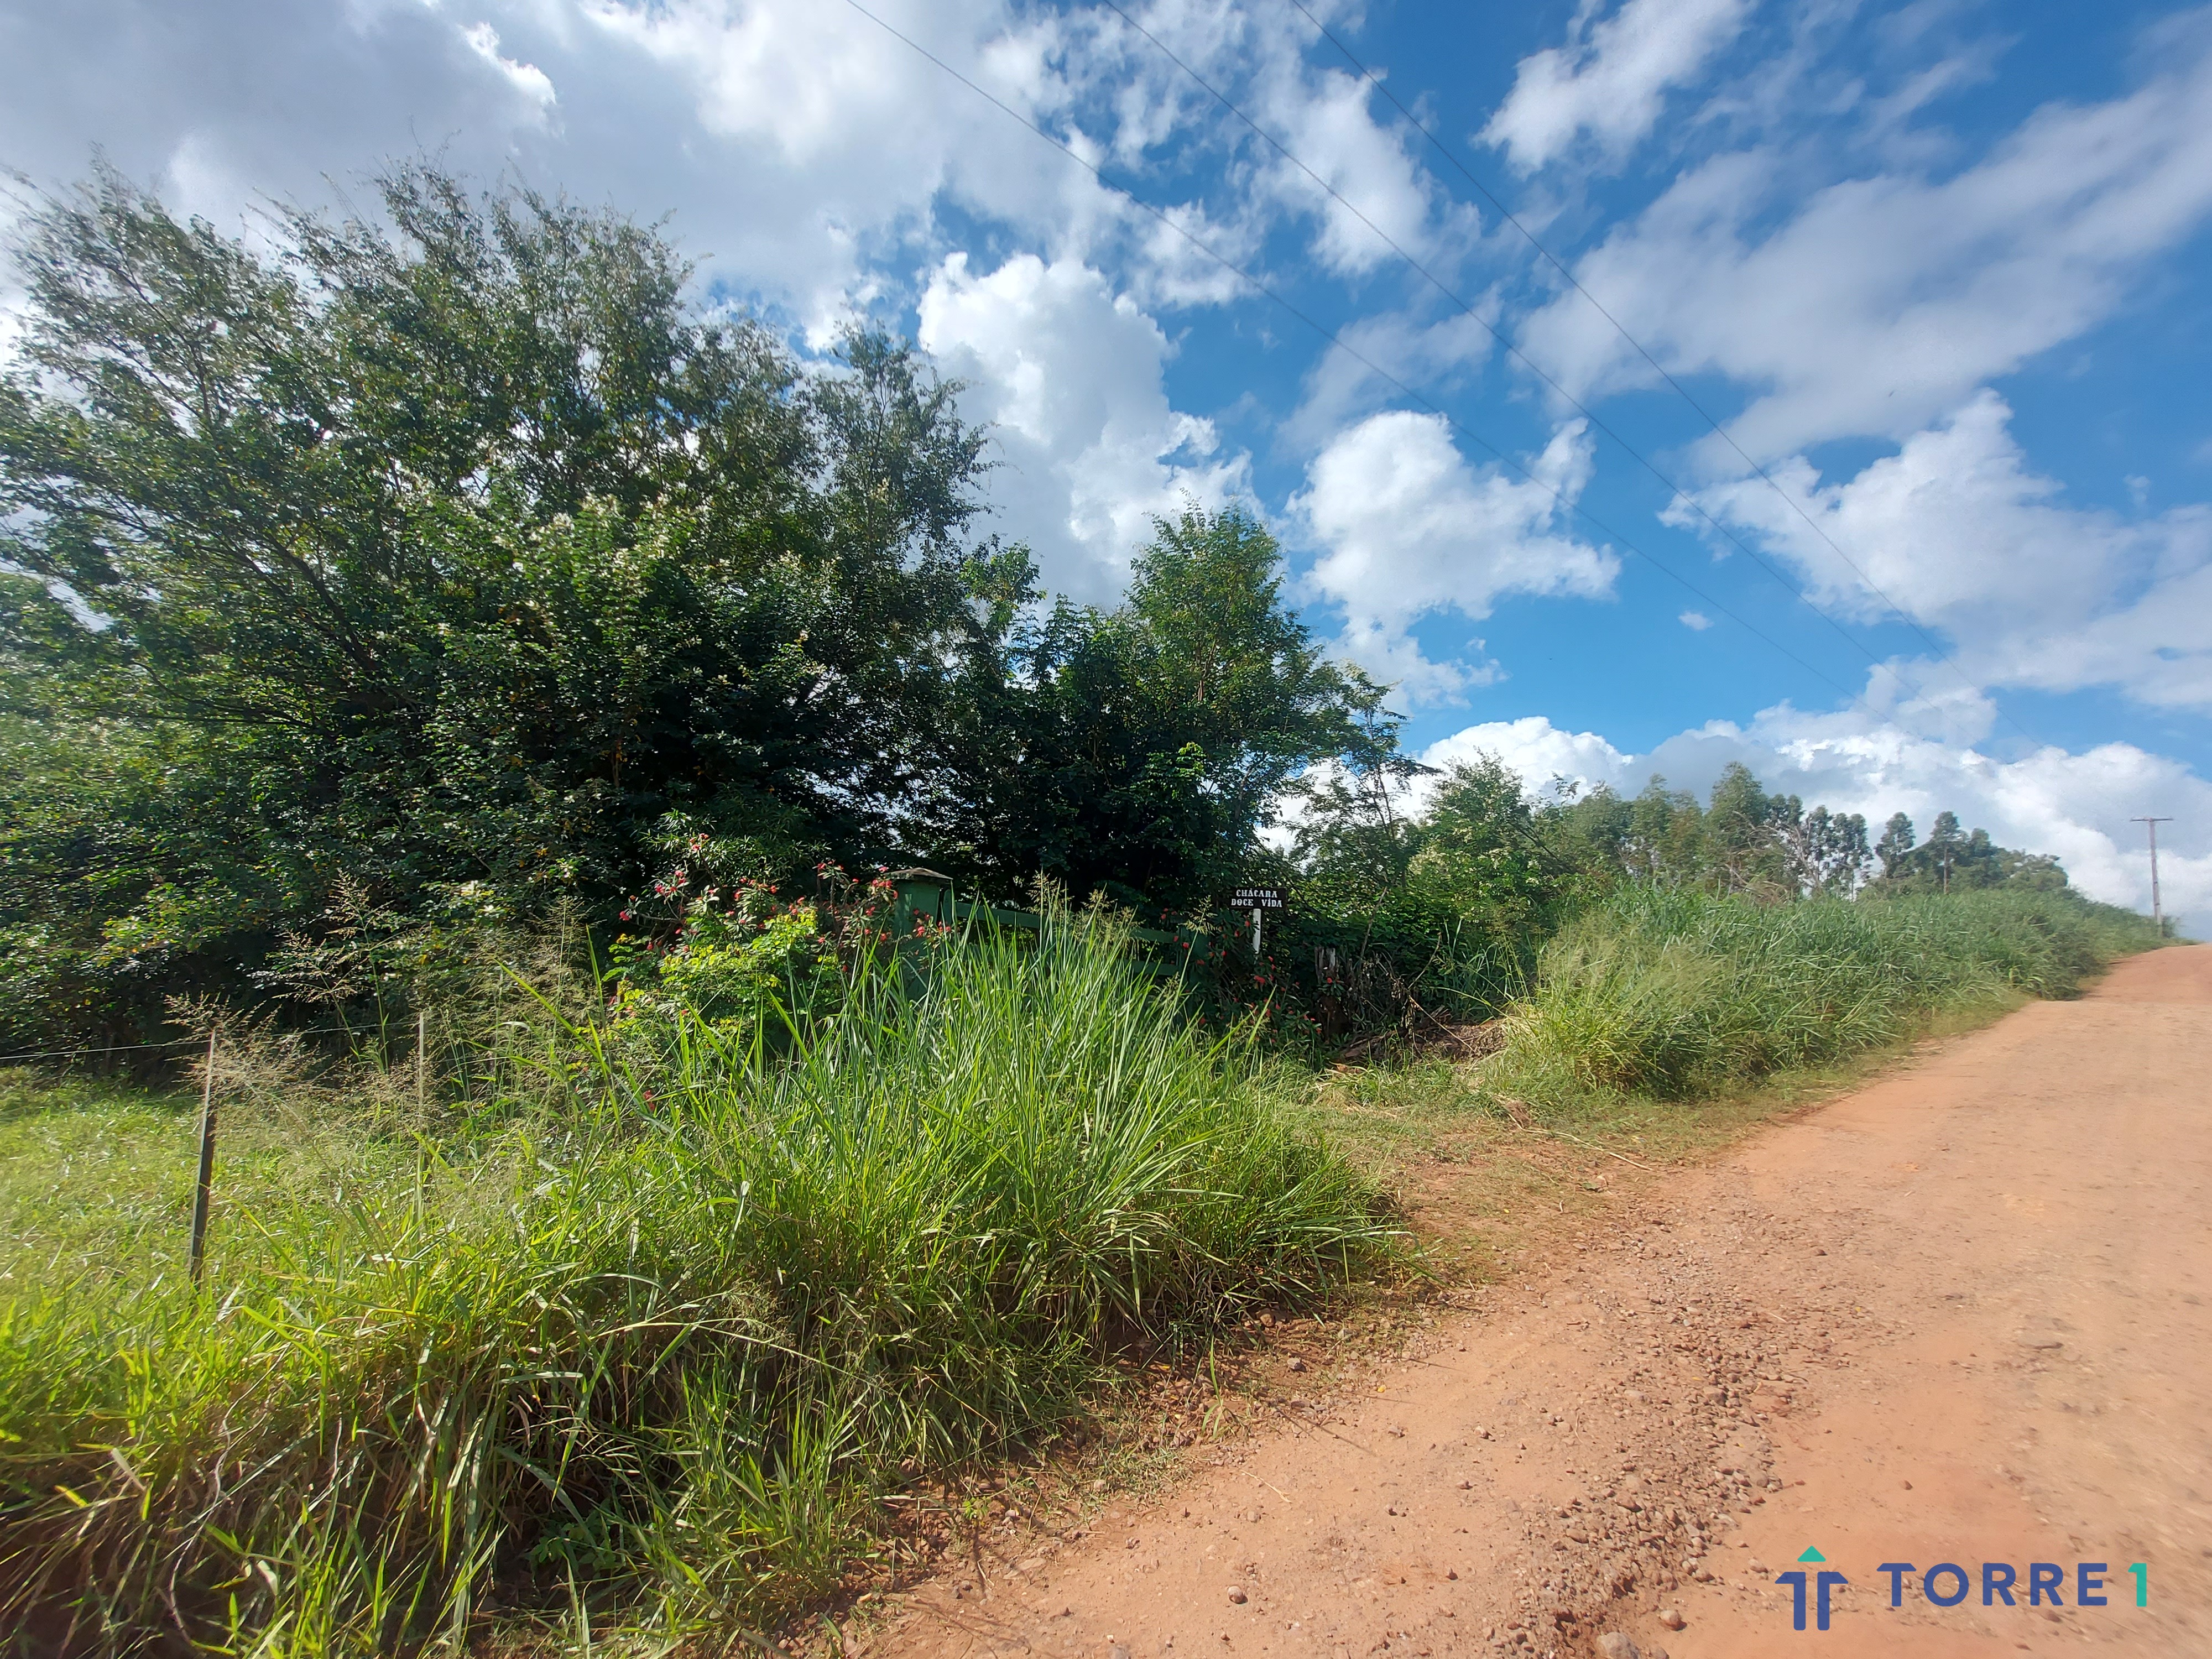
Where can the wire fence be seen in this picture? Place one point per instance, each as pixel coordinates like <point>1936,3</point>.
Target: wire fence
<point>211,1091</point>
<point>195,1041</point>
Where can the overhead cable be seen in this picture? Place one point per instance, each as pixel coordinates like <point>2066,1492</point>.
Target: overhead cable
<point>1333,339</point>
<point>1526,361</point>
<point>1719,431</point>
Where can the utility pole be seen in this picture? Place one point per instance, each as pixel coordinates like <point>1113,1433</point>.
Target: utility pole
<point>2157,920</point>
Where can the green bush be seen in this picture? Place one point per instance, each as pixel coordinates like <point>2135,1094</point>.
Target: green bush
<point>1676,993</point>
<point>657,1359</point>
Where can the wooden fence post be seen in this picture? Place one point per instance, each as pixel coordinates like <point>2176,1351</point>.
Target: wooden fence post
<point>201,1192</point>
<point>422,1112</point>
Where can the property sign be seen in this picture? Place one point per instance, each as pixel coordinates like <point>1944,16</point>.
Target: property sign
<point>1259,898</point>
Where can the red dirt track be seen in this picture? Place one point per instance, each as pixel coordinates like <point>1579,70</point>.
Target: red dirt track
<point>1959,1316</point>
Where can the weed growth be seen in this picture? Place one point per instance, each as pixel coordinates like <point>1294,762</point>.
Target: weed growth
<point>644,1364</point>
<point>1678,994</point>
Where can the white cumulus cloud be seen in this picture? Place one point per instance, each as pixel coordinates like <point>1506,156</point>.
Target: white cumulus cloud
<point>1544,755</point>
<point>1610,80</point>
<point>1874,306</point>
<point>1324,120</point>
<point>1409,530</point>
<point>1087,447</point>
<point>527,79</point>
<point>1963,534</point>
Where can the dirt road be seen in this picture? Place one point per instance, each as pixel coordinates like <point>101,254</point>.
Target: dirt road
<point>1960,1316</point>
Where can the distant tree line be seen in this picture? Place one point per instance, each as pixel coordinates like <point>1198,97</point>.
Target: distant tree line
<point>1486,836</point>
<point>1460,892</point>
<point>1746,840</point>
<point>1951,860</point>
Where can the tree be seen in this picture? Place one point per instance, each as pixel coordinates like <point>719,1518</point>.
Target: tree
<point>1943,847</point>
<point>2037,871</point>
<point>1350,829</point>
<point>1895,846</point>
<point>1824,852</point>
<point>1595,823</point>
<point>458,549</point>
<point>1952,860</point>
<point>455,551</point>
<point>1481,852</point>
<point>1740,847</point>
<point>1139,751</point>
<point>1666,832</point>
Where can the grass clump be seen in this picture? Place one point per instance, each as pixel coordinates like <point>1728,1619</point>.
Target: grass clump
<point>1679,995</point>
<point>643,1365</point>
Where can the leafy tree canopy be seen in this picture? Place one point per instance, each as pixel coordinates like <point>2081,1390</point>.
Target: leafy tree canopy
<point>1139,751</point>
<point>458,548</point>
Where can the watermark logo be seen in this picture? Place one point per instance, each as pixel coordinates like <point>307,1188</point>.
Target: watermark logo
<point>1946,1584</point>
<point>1823,1584</point>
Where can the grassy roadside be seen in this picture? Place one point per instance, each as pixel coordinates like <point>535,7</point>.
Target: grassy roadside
<point>1482,1195</point>
<point>1667,1025</point>
<point>1479,1189</point>
<point>1484,1185</point>
<point>685,1362</point>
<point>648,1371</point>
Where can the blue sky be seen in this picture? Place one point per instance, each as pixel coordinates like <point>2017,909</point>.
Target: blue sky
<point>1935,267</point>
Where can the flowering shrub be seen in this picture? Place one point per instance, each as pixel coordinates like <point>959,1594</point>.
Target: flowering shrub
<point>735,952</point>
<point>1265,996</point>
<point>725,967</point>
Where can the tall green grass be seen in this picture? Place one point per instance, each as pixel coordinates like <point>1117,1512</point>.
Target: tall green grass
<point>1676,993</point>
<point>649,1361</point>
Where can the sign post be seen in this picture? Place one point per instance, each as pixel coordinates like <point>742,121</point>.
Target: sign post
<point>1259,900</point>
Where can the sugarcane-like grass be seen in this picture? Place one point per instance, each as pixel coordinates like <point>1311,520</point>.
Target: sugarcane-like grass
<point>1678,994</point>
<point>643,1365</point>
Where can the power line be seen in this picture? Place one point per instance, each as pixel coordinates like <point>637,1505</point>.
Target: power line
<point>1534,368</point>
<point>1719,431</point>
<point>1361,358</point>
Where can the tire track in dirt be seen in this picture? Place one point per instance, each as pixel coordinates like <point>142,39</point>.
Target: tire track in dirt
<point>1959,1316</point>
